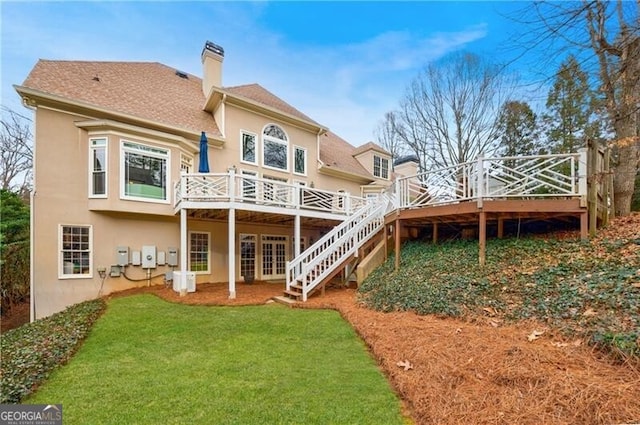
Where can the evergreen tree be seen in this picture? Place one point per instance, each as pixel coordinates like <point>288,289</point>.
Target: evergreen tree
<point>570,109</point>
<point>517,126</point>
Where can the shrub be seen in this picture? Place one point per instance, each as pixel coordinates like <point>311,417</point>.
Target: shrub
<point>31,352</point>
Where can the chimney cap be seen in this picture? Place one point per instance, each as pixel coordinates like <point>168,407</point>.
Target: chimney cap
<point>213,48</point>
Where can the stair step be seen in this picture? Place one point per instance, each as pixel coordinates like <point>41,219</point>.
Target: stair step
<point>284,300</point>
<point>296,286</point>
<point>294,294</point>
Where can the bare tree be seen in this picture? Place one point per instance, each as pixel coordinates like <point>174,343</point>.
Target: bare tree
<point>387,136</point>
<point>16,155</point>
<point>449,113</point>
<point>606,36</point>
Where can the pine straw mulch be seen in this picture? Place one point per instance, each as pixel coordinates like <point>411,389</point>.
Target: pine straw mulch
<point>466,372</point>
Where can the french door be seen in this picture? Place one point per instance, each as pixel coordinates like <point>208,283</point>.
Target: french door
<point>274,256</point>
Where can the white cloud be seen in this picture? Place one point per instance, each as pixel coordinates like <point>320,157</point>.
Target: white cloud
<point>347,86</point>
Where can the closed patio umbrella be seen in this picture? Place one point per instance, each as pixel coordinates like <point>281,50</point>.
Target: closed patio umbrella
<point>203,165</point>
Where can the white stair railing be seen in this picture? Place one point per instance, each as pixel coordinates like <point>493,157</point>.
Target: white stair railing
<point>322,258</point>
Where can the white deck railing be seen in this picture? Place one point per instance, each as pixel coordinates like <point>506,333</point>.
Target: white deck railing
<point>538,176</point>
<point>232,187</point>
<point>318,261</point>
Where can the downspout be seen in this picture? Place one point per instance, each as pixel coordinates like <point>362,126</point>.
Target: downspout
<point>318,145</point>
<point>223,104</point>
<point>32,219</point>
<point>32,296</point>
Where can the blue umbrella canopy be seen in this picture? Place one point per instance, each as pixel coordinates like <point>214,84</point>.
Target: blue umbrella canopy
<point>203,165</point>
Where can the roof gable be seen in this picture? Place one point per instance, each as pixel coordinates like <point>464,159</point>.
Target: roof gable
<point>370,146</point>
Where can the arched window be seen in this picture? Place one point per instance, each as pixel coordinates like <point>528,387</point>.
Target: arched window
<point>275,148</point>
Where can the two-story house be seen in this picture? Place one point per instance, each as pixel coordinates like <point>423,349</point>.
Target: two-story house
<point>122,195</point>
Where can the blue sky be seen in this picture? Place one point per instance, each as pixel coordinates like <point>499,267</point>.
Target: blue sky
<point>342,63</point>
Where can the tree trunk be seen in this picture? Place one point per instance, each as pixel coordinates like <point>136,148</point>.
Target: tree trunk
<point>624,174</point>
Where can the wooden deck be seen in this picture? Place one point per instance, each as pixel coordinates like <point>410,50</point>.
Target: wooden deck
<point>472,219</point>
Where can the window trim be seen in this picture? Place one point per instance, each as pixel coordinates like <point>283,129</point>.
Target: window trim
<point>381,159</point>
<point>61,274</point>
<point>271,139</point>
<point>208,270</point>
<point>255,147</point>
<point>91,168</point>
<point>304,164</point>
<point>166,157</point>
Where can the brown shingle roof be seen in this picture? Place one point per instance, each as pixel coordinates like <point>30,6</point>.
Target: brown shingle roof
<point>259,94</point>
<point>370,146</point>
<point>335,152</point>
<point>148,90</point>
<point>152,91</point>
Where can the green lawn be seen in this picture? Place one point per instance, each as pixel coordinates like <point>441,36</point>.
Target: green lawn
<point>149,361</point>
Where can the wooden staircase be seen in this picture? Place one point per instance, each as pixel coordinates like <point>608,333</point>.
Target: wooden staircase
<point>315,267</point>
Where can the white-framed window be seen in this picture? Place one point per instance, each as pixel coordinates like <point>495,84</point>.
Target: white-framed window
<point>75,244</point>
<point>275,148</point>
<point>98,167</point>
<point>248,147</point>
<point>199,255</point>
<point>249,185</point>
<point>299,161</point>
<point>186,163</point>
<point>381,167</point>
<point>248,244</point>
<point>144,172</point>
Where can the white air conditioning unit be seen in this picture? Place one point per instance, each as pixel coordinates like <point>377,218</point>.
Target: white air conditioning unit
<point>191,281</point>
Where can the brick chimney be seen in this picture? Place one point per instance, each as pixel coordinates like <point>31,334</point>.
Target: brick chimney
<point>212,57</point>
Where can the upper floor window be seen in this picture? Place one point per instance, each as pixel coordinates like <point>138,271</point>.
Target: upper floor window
<point>144,172</point>
<point>248,147</point>
<point>98,168</point>
<point>75,251</point>
<point>381,167</point>
<point>299,160</point>
<point>275,148</point>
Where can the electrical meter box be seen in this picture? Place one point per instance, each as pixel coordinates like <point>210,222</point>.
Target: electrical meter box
<point>161,260</point>
<point>135,258</point>
<point>122,255</point>
<point>149,257</point>
<point>172,256</point>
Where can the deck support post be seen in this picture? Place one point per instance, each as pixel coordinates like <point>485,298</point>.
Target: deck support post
<point>386,240</point>
<point>482,238</point>
<point>435,232</point>
<point>500,227</point>
<point>183,252</point>
<point>584,225</point>
<point>296,235</point>
<point>232,253</point>
<point>397,244</point>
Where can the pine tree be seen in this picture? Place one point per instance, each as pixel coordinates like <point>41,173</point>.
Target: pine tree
<point>570,104</point>
<point>517,126</point>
